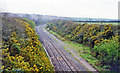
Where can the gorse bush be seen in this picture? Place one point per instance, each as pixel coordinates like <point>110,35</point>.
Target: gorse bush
<point>32,23</point>
<point>102,39</point>
<point>15,49</point>
<point>21,49</point>
<point>86,34</point>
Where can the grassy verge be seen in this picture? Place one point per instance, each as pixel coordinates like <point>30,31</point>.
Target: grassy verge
<point>82,50</point>
<point>58,36</point>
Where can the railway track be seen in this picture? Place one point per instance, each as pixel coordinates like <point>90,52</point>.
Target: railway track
<point>59,58</point>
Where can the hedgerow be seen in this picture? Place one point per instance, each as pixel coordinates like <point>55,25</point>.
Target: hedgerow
<point>21,49</point>
<point>92,35</point>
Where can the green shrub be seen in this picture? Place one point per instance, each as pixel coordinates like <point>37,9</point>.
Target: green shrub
<point>108,53</point>
<point>32,23</point>
<point>21,50</point>
<point>37,35</point>
<point>15,49</point>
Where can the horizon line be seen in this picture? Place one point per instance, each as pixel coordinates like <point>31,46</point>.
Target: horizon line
<point>54,15</point>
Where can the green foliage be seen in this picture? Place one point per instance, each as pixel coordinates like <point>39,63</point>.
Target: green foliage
<point>37,35</point>
<point>86,34</point>
<point>15,49</point>
<point>32,23</point>
<point>98,37</point>
<point>21,49</point>
<point>108,53</point>
<point>58,36</point>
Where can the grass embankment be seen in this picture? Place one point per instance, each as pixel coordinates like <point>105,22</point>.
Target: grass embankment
<point>21,49</point>
<point>58,36</point>
<point>82,50</point>
<point>102,40</point>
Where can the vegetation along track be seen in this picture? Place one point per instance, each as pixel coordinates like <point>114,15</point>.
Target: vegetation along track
<point>60,59</point>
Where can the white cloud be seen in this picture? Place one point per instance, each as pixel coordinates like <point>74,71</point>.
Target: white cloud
<point>69,8</point>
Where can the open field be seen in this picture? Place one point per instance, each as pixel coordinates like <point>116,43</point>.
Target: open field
<point>102,23</point>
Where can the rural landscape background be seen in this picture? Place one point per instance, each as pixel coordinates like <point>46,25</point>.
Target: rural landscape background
<point>65,38</point>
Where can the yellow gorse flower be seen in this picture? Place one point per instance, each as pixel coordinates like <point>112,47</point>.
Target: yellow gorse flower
<point>34,65</point>
<point>40,68</point>
<point>27,53</point>
<point>2,67</point>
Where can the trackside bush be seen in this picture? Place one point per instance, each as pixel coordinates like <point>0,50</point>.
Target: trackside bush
<point>108,53</point>
<point>21,51</point>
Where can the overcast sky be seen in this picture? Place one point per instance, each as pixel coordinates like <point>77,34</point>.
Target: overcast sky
<point>67,8</point>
